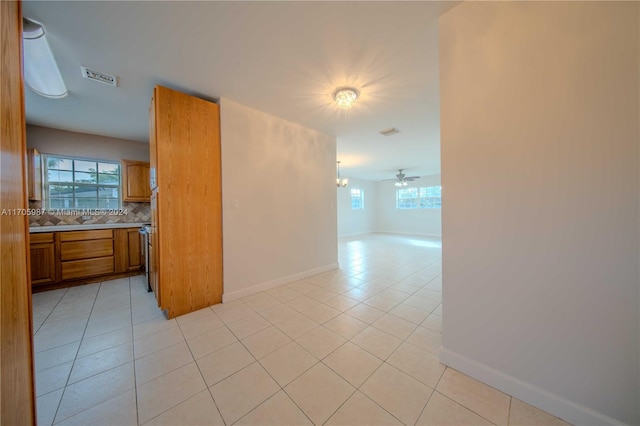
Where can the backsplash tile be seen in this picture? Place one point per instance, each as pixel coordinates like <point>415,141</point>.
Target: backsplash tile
<point>135,213</point>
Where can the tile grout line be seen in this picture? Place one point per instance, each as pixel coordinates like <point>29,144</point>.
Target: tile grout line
<point>333,283</point>
<point>282,388</point>
<point>464,406</point>
<point>242,369</point>
<point>93,375</point>
<point>431,396</point>
<point>75,358</point>
<point>133,355</point>
<point>195,361</point>
<point>384,361</point>
<point>50,312</point>
<point>357,388</point>
<point>338,374</point>
<point>200,370</point>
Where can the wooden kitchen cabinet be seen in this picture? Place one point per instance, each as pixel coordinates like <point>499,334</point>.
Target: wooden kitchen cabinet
<point>64,258</point>
<point>43,261</point>
<point>129,257</point>
<point>186,201</point>
<point>135,181</point>
<point>85,254</point>
<point>134,250</point>
<point>34,175</point>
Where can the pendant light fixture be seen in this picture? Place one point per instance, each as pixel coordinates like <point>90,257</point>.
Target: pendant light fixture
<point>41,72</point>
<point>340,183</point>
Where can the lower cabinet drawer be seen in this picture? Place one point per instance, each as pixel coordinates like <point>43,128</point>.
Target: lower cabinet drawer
<point>42,237</point>
<point>88,268</point>
<point>86,235</point>
<point>76,250</point>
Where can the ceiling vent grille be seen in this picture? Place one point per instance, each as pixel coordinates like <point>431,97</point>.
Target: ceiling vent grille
<point>100,77</point>
<point>389,131</point>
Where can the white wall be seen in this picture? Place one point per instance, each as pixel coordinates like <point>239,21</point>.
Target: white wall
<point>354,222</point>
<point>539,141</point>
<point>63,142</point>
<point>414,221</point>
<point>282,176</point>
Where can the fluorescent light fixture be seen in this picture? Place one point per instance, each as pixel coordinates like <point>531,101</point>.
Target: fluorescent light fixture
<point>41,72</point>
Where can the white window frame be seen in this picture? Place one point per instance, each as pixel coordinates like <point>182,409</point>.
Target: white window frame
<point>424,197</point>
<point>73,203</point>
<point>357,200</point>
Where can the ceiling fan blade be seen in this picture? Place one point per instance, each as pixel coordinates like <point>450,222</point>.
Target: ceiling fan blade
<point>412,178</point>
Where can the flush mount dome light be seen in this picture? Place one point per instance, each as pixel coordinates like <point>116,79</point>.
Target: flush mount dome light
<point>345,97</point>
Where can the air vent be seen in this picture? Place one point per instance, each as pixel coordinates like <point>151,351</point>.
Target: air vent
<point>100,77</point>
<point>389,132</point>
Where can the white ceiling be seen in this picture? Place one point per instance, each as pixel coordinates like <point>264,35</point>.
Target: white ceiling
<point>284,58</point>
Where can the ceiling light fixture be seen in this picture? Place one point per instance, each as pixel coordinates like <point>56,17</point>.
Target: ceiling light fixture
<point>345,97</point>
<point>41,72</point>
<point>402,179</point>
<point>340,183</point>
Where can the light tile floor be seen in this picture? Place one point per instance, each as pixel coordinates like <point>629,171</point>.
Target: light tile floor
<point>352,346</point>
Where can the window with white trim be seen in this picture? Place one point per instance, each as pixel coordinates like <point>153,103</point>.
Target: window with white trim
<point>357,199</point>
<point>78,183</point>
<point>429,197</point>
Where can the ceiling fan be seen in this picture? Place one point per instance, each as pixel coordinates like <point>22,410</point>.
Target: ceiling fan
<point>403,180</point>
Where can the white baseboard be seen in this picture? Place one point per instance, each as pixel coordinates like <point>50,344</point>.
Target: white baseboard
<point>560,407</point>
<point>227,297</point>
<point>355,234</point>
<point>417,234</point>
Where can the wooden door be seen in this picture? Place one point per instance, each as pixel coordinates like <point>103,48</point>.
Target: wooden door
<point>17,399</point>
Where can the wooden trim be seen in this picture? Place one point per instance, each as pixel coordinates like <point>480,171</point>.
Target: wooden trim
<point>17,396</point>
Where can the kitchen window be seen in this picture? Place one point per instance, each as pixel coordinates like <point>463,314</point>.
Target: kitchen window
<point>357,199</point>
<point>77,183</point>
<point>429,197</point>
